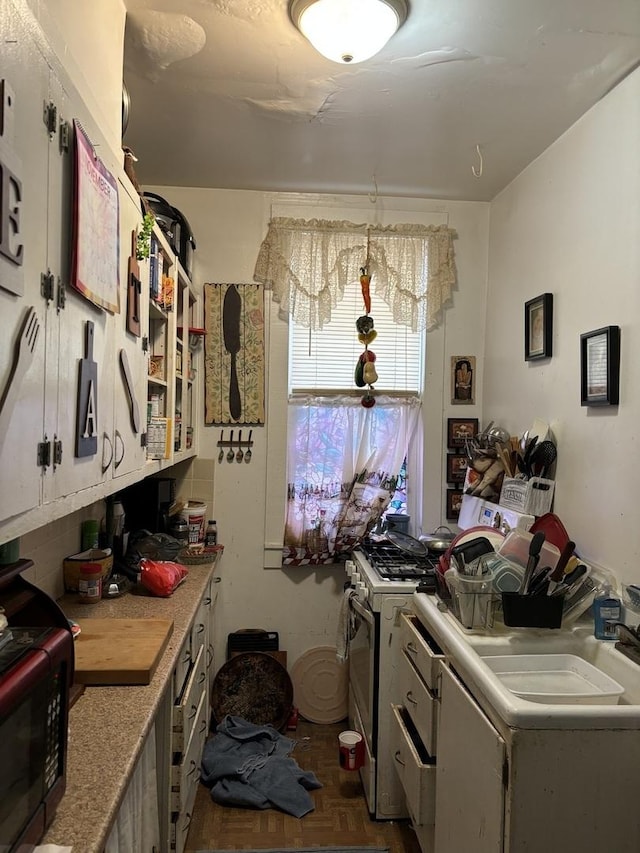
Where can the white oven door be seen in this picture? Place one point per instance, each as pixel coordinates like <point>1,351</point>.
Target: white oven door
<point>362,669</point>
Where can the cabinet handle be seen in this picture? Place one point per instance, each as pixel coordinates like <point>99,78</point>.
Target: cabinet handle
<point>203,675</point>
<point>199,628</point>
<point>410,698</point>
<point>411,648</point>
<point>194,768</point>
<point>209,655</point>
<point>398,759</point>
<point>217,580</point>
<point>203,727</point>
<point>106,442</point>
<point>207,601</point>
<point>119,437</point>
<point>193,712</point>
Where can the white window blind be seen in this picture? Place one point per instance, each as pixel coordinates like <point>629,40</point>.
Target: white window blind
<point>325,359</point>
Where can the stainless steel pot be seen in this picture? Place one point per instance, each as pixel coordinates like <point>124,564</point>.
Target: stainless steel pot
<point>437,542</point>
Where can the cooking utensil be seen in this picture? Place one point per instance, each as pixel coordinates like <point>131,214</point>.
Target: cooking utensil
<point>438,543</point>
<point>535,545</point>
<point>240,453</point>
<point>230,453</point>
<point>231,334</point>
<point>406,543</point>
<point>221,454</point>
<point>247,455</point>
<point>542,458</point>
<point>23,356</point>
<point>556,576</point>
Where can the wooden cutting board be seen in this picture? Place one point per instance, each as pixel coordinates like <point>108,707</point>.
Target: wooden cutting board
<point>119,651</point>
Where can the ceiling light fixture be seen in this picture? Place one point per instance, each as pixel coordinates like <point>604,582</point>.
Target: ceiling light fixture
<point>348,31</point>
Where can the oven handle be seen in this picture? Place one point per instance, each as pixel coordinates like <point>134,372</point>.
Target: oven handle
<point>361,610</point>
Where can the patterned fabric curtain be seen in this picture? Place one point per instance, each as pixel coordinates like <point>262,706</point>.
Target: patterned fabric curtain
<point>308,264</point>
<point>342,470</point>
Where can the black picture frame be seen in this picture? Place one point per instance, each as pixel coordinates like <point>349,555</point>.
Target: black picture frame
<point>538,327</point>
<point>460,429</point>
<point>454,503</point>
<point>456,468</point>
<point>600,367</point>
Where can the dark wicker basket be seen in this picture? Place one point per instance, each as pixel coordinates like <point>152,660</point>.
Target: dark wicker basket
<point>254,686</point>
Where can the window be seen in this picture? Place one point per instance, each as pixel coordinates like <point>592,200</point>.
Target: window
<point>324,360</point>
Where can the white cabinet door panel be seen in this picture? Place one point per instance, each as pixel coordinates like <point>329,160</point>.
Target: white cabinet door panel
<point>24,143</point>
<point>469,783</point>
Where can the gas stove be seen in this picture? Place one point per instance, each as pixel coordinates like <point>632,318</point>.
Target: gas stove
<point>392,563</point>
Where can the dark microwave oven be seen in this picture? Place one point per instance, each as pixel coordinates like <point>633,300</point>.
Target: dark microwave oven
<point>36,671</point>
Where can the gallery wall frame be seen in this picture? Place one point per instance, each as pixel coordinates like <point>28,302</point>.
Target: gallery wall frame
<point>538,327</point>
<point>454,504</point>
<point>456,468</point>
<point>463,380</point>
<point>459,430</point>
<point>600,367</point>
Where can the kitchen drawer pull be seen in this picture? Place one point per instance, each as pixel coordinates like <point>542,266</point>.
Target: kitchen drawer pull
<point>398,759</point>
<point>411,648</point>
<point>410,698</point>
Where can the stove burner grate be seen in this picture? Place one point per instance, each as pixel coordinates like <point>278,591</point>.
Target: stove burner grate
<point>390,562</point>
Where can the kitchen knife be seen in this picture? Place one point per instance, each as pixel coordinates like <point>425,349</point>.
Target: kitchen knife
<point>558,573</point>
<point>535,545</point>
<point>231,333</point>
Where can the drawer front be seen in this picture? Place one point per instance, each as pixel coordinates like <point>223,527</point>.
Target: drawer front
<point>186,774</point>
<point>425,658</point>
<point>185,712</point>
<point>417,770</point>
<point>182,668</point>
<point>200,627</point>
<point>421,705</point>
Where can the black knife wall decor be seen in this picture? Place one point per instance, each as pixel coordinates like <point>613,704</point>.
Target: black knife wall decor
<point>231,333</point>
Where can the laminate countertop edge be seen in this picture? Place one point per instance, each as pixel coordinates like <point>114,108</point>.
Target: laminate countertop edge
<point>108,725</point>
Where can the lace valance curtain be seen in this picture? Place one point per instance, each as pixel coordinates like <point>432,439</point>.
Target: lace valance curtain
<point>308,263</point>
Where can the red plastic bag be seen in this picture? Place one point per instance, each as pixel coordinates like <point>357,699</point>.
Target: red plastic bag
<point>161,577</point>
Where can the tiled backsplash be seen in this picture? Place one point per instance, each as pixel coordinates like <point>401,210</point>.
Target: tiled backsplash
<point>49,545</point>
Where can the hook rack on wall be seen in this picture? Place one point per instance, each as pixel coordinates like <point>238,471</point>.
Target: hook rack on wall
<point>239,443</point>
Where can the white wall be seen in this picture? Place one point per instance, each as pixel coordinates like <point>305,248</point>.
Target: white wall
<point>570,225</point>
<point>88,39</point>
<point>302,603</point>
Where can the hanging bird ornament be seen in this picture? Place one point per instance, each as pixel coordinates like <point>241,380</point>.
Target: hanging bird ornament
<point>365,373</point>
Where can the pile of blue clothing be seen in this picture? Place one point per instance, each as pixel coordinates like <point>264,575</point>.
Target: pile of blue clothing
<point>249,765</point>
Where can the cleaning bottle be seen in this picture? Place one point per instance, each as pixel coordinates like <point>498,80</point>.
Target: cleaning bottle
<point>607,612</point>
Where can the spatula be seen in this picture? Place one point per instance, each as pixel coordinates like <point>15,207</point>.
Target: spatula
<point>535,545</point>
<point>231,333</point>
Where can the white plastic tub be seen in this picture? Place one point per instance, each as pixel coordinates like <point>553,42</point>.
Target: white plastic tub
<point>555,679</point>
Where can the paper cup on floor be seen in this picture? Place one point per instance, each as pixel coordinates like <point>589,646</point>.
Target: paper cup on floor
<point>351,750</point>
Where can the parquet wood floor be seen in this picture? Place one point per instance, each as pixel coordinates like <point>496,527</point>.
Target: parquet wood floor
<point>340,815</point>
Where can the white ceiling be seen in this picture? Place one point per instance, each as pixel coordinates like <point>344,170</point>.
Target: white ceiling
<point>228,94</point>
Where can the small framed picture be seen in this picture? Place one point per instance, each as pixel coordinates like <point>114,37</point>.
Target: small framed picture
<point>459,430</point>
<point>456,467</point>
<point>463,379</point>
<point>454,503</point>
<point>538,327</point>
<point>600,367</point>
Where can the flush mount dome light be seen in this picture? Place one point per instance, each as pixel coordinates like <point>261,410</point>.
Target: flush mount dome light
<point>348,31</point>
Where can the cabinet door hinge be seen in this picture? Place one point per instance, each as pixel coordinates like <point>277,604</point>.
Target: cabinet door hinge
<point>57,452</point>
<point>44,453</point>
<point>64,137</point>
<point>62,295</point>
<point>145,343</point>
<point>143,440</point>
<point>47,282</point>
<point>505,773</point>
<point>50,117</point>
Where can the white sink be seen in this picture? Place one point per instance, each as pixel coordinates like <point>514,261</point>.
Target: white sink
<point>467,650</point>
